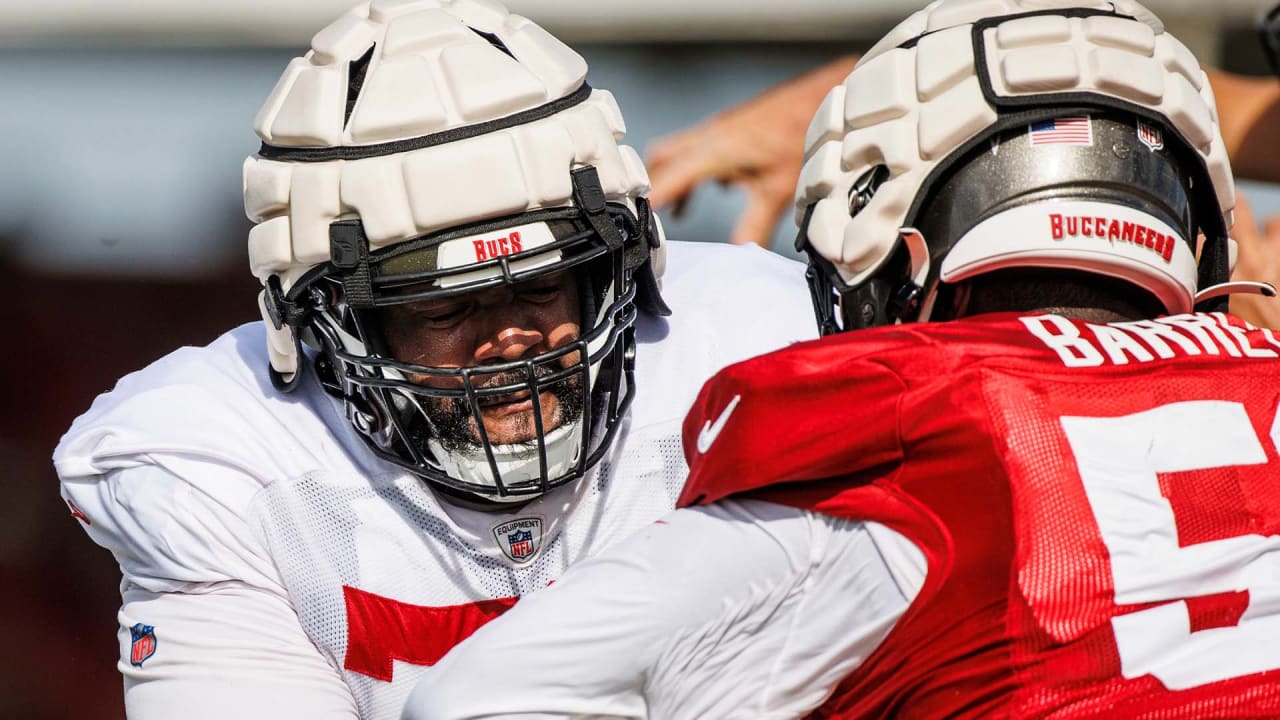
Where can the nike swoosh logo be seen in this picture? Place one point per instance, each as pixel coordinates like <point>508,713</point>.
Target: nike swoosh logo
<point>711,430</point>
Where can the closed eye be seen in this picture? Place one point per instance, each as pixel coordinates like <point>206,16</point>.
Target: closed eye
<point>540,294</point>
<point>442,315</point>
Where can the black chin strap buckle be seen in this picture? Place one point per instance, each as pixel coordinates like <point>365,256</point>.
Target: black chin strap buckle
<point>867,305</point>
<point>282,311</point>
<point>648,226</point>
<point>905,303</point>
<point>273,299</point>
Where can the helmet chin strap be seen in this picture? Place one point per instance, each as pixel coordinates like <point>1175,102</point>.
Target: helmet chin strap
<point>1237,287</point>
<point>516,463</point>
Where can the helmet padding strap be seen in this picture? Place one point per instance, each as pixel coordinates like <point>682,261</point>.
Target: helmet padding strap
<point>589,196</point>
<point>1214,270</point>
<point>349,250</point>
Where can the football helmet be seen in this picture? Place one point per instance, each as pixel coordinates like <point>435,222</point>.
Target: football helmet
<point>430,149</point>
<point>979,136</point>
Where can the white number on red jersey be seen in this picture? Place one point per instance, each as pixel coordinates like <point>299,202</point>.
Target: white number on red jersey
<point>1120,459</point>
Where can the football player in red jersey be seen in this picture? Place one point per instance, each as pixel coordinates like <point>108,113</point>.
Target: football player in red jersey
<point>1031,470</point>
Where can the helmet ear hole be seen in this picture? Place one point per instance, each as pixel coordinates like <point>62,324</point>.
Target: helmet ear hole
<point>865,187</point>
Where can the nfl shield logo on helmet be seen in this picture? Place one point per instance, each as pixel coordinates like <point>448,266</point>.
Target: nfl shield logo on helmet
<point>519,539</point>
<point>1150,135</point>
<point>144,644</point>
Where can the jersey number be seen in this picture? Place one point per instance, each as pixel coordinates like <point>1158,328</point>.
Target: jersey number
<point>1120,459</point>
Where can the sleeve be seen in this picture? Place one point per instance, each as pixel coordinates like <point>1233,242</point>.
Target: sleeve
<point>206,627</point>
<point>743,609</point>
<point>835,409</point>
<point>229,651</point>
<point>175,522</point>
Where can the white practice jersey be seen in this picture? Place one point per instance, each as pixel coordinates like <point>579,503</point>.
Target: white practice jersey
<point>774,607</point>
<point>274,567</point>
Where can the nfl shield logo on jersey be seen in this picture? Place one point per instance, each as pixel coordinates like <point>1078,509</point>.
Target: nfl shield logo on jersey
<point>520,539</point>
<point>521,544</point>
<point>144,644</point>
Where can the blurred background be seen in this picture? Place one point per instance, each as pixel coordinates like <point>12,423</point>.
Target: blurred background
<point>123,127</point>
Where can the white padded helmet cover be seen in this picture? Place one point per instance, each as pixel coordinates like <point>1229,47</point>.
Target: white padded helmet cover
<point>909,108</point>
<point>430,71</point>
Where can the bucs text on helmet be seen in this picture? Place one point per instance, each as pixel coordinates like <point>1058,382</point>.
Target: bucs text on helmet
<point>435,149</point>
<point>962,135</point>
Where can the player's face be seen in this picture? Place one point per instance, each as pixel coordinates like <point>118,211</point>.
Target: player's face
<point>490,327</point>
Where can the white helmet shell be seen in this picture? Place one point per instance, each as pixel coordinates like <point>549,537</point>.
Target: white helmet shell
<point>924,92</point>
<point>420,115</point>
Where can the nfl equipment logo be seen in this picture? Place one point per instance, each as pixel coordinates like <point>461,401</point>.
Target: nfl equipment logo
<point>519,539</point>
<point>144,644</point>
<point>1150,135</point>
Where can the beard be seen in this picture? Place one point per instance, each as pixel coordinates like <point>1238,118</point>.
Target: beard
<point>451,422</point>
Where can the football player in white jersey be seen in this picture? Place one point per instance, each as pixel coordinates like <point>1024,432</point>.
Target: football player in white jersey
<point>471,373</point>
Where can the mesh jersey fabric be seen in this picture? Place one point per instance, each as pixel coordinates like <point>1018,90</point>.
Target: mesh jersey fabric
<point>737,610</point>
<point>1096,504</point>
<point>360,554</point>
<point>278,492</point>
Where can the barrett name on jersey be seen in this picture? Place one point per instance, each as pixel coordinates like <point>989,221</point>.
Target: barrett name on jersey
<point>262,543</point>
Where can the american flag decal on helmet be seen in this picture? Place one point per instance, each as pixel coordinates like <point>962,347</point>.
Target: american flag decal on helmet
<point>1075,130</point>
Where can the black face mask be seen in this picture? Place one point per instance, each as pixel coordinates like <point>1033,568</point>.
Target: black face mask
<point>454,424</point>
<point>409,414</point>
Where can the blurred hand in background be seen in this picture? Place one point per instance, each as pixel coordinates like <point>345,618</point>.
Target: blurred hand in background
<point>758,145</point>
<point>1258,258</point>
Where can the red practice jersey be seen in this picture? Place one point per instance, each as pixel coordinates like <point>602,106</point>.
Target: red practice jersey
<point>1099,506</point>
